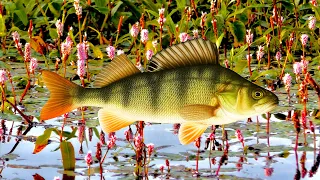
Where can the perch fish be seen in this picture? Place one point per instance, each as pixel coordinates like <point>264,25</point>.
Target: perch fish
<point>184,84</point>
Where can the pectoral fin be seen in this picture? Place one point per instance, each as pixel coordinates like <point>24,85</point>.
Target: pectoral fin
<point>198,112</point>
<point>110,121</point>
<point>190,131</point>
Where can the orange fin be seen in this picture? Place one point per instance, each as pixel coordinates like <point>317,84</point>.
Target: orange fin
<point>198,112</point>
<point>111,122</point>
<point>61,95</point>
<point>117,69</point>
<point>190,131</point>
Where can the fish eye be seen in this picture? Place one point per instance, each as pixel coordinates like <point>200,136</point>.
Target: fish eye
<point>257,94</point>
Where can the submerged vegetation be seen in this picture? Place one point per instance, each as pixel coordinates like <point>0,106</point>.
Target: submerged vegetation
<point>273,43</point>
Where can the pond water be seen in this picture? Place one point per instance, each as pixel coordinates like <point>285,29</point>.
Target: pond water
<point>259,161</point>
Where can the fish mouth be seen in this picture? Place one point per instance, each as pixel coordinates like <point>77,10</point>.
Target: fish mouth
<point>265,107</point>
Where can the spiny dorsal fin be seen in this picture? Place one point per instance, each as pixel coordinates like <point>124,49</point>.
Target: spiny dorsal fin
<point>193,52</point>
<point>117,69</point>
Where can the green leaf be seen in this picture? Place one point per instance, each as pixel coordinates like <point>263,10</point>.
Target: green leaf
<point>150,5</point>
<point>97,53</point>
<point>240,65</point>
<point>22,16</point>
<point>102,10</point>
<point>115,9</point>
<point>287,4</point>
<point>219,40</point>
<point>42,141</point>
<point>271,72</point>
<point>30,5</point>
<point>53,33</point>
<point>238,30</point>
<point>101,3</point>
<point>54,10</point>
<point>68,156</point>
<point>181,4</point>
<point>2,26</point>
<point>10,6</point>
<point>133,8</point>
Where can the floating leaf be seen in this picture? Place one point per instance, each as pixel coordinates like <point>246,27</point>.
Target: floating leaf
<point>284,154</point>
<point>68,156</point>
<point>42,141</point>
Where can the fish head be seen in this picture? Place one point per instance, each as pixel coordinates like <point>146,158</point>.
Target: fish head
<point>255,100</point>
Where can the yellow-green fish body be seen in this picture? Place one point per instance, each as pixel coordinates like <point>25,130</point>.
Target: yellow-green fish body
<point>188,88</point>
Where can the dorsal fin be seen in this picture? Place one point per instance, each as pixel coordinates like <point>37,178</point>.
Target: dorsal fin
<point>193,52</point>
<point>117,69</point>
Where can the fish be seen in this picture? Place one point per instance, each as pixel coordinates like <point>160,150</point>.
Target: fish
<point>184,83</point>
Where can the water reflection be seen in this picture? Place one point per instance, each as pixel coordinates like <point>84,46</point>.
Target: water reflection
<point>221,153</point>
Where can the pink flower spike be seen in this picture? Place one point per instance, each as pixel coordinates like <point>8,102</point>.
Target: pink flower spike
<point>82,51</point>
<point>183,37</point>
<point>66,46</point>
<point>287,81</point>
<point>239,135</point>
<point>144,35</point>
<point>16,37</point>
<point>119,52</point>
<point>59,27</point>
<point>314,3</point>
<point>312,22</point>
<point>278,56</point>
<point>297,68</point>
<point>161,19</point>
<point>138,141</point>
<point>268,171</point>
<point>211,136</point>
<point>88,158</point>
<point>249,37</point>
<point>260,53</point>
<point>111,52</point>
<point>161,168</point>
<point>128,134</point>
<point>134,31</point>
<point>304,39</point>
<point>203,19</point>
<point>197,142</point>
<point>149,54</point>
<point>56,178</point>
<point>195,33</point>
<point>150,147</point>
<point>33,64</point>
<point>78,8</point>
<point>311,126</point>
<point>81,68</point>
<point>3,76</point>
<point>249,56</point>
<point>27,52</point>
<point>155,44</point>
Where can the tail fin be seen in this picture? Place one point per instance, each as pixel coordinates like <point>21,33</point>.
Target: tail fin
<point>61,95</point>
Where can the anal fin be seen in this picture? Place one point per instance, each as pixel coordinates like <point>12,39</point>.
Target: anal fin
<point>190,131</point>
<point>111,121</point>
